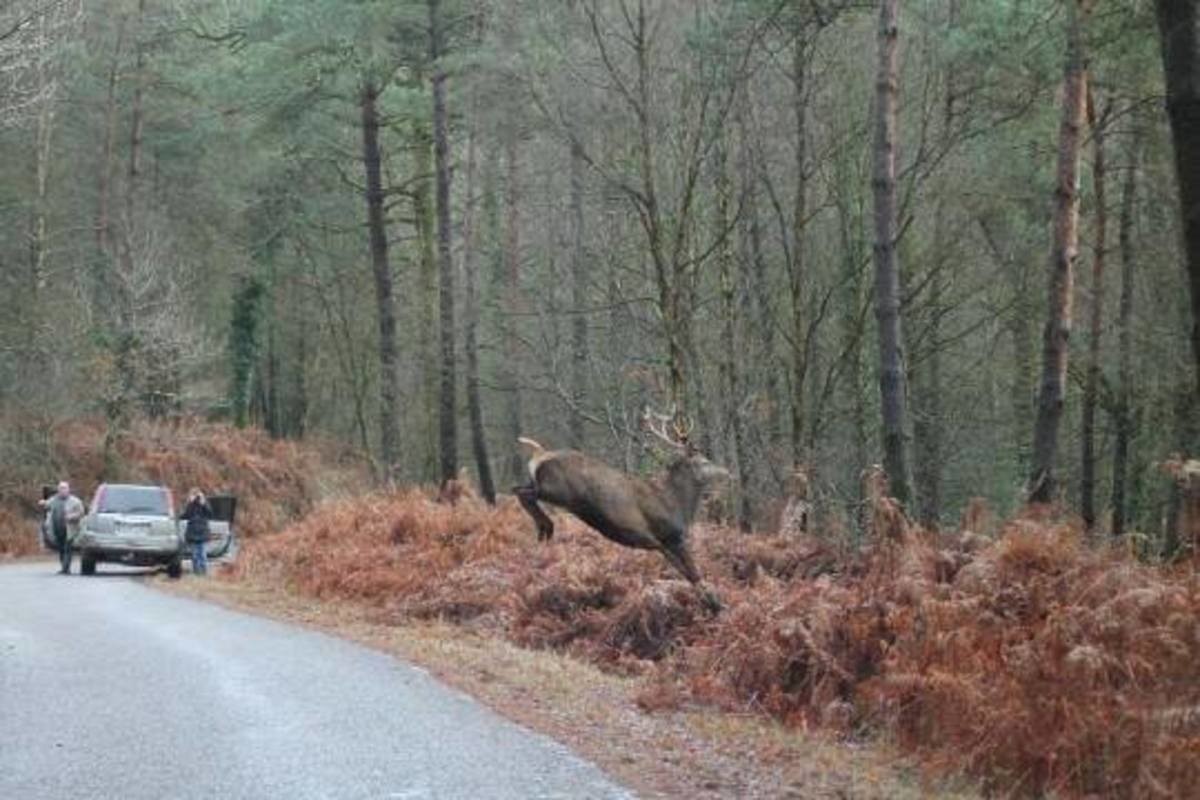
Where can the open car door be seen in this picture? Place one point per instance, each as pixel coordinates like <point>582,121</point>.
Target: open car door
<point>220,527</point>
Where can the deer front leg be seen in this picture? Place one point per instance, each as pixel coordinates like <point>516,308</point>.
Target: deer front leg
<point>680,558</point>
<point>527,495</point>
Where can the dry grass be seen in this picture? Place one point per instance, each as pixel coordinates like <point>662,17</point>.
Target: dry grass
<point>1031,662</point>
<point>18,536</point>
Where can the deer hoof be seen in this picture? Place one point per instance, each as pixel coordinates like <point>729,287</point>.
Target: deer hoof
<point>711,602</point>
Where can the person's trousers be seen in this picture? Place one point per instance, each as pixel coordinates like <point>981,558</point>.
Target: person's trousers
<point>64,553</point>
<point>199,558</point>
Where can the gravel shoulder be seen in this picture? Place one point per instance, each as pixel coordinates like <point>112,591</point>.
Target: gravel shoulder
<point>690,754</point>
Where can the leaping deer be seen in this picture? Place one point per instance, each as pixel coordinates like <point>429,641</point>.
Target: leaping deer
<point>647,514</point>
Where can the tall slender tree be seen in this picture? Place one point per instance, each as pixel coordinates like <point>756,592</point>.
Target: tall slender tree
<point>1063,251</point>
<point>470,262</point>
<point>509,377</point>
<point>928,418</point>
<point>1087,474</point>
<point>105,171</point>
<point>1124,422</point>
<point>798,277</point>
<point>424,202</point>
<point>731,367</point>
<point>579,320</point>
<point>892,380</point>
<point>448,405</point>
<point>381,271</point>
<point>1179,30</point>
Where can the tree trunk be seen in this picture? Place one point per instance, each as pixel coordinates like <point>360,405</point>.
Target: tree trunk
<point>892,381</point>
<point>798,278</point>
<point>1124,422</point>
<point>448,405</point>
<point>104,180</point>
<point>509,379</point>
<point>271,417</point>
<point>43,137</point>
<point>846,371</point>
<point>32,313</point>
<point>579,319</point>
<point>389,379</point>
<point>474,403</point>
<point>137,123</point>
<point>1020,388</point>
<point>751,236</point>
<point>243,345</point>
<point>1063,251</point>
<point>1186,423</point>
<point>299,412</point>
<point>670,273</point>
<point>125,361</point>
<point>1020,325</point>
<point>425,213</point>
<point>1087,480</point>
<point>470,274</point>
<point>1179,29</point>
<point>730,355</point>
<point>695,398</point>
<point>927,418</point>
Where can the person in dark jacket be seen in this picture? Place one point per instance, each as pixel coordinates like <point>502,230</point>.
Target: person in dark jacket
<point>197,513</point>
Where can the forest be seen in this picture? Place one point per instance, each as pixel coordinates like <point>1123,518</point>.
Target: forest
<point>944,236</point>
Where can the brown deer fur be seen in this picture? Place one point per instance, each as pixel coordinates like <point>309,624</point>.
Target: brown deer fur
<point>647,514</point>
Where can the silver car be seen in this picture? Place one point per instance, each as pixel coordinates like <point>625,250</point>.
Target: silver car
<point>136,525</point>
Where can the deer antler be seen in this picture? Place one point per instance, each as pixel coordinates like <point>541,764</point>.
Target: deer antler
<point>683,430</point>
<point>656,425</point>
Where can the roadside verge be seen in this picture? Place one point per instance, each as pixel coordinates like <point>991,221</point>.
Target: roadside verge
<point>691,753</point>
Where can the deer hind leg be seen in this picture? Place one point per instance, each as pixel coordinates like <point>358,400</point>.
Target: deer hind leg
<point>527,495</point>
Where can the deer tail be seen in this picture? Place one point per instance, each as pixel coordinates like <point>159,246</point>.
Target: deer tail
<point>533,446</point>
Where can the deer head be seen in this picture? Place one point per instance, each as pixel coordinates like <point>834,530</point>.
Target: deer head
<point>686,458</point>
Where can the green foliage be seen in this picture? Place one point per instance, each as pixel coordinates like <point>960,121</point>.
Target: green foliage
<point>244,344</point>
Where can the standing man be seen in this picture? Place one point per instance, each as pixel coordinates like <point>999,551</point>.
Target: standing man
<point>197,514</point>
<point>65,510</point>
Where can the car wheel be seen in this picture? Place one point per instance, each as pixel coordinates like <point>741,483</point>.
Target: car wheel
<point>175,568</point>
<point>87,565</point>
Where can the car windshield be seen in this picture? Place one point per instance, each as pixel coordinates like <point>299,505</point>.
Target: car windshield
<point>150,500</point>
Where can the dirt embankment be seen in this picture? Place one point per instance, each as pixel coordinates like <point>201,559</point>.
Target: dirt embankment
<point>1032,662</point>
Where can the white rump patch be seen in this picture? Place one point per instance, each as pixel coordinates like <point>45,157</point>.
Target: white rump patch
<point>539,454</point>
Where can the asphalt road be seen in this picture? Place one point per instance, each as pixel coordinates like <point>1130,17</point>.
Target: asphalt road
<point>109,689</point>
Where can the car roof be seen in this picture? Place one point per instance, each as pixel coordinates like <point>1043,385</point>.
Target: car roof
<point>132,485</point>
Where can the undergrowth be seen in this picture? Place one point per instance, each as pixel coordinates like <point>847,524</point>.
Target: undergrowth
<point>1033,662</point>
